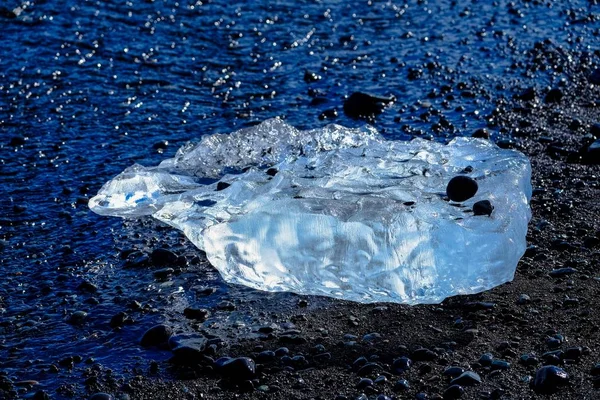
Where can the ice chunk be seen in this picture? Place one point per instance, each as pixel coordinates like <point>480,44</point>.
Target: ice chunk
<point>340,212</point>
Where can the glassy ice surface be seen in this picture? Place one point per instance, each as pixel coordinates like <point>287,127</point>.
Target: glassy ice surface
<point>338,212</point>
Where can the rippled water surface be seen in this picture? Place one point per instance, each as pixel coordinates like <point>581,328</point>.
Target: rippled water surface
<point>88,88</point>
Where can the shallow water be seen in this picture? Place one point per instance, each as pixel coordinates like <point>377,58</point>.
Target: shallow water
<point>89,88</point>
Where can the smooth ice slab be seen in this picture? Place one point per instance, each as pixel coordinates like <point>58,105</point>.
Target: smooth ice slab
<point>340,212</point>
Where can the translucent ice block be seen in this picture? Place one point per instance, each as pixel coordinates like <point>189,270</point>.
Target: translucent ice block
<point>338,212</point>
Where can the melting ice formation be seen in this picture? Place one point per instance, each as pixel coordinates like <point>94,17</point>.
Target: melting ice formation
<point>339,212</point>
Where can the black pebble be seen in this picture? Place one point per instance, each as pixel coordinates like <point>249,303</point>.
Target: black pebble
<point>156,336</point>
<point>240,368</point>
<point>119,320</point>
<point>401,385</point>
<point>423,354</point>
<point>554,96</point>
<point>453,392</point>
<point>483,207</point>
<point>162,256</point>
<point>364,383</point>
<point>548,379</point>
<point>461,188</point>
<point>401,364</point>
<point>468,378</point>
<point>199,314</point>
<point>222,185</point>
<point>101,396</point>
<point>362,105</point>
<point>528,94</point>
<point>481,133</point>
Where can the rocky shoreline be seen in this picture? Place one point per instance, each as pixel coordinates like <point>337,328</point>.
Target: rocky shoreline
<point>536,337</point>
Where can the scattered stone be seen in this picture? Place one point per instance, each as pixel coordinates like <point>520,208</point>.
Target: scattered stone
<point>198,314</point>
<point>163,273</point>
<point>162,257</point>
<point>467,378</point>
<point>528,94</point>
<point>453,372</point>
<point>310,77</point>
<point>461,188</point>
<point>560,272</point>
<point>554,96</point>
<point>364,383</point>
<point>240,368</point>
<point>549,379</point>
<point>158,335</point>
<point>369,368</point>
<point>119,320</point>
<point>483,207</point>
<point>499,365</point>
<point>372,337</point>
<point>523,299</point>
<point>86,286</point>
<point>481,133</point>
<point>486,359</point>
<point>529,360</point>
<point>188,349</point>
<point>453,392</point>
<point>401,365</point>
<point>101,396</point>
<point>77,318</point>
<point>362,105</point>
<point>401,386</point>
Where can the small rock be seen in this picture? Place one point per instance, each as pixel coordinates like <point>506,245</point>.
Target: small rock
<point>310,77</point>
<point>499,365</point>
<point>554,96</point>
<point>483,207</point>
<point>164,273</point>
<point>486,359</point>
<point>461,188</point>
<point>156,336</point>
<point>401,385</point>
<point>372,337</point>
<point>364,383</point>
<point>362,105</point>
<point>481,133</point>
<point>198,314</point>
<point>161,257</point>
<point>77,318</point>
<point>401,365</point>
<point>101,396</point>
<point>548,379</point>
<point>528,94</point>
<point>453,372</point>
<point>523,299</point>
<point>368,369</point>
<point>119,320</point>
<point>468,378</point>
<point>453,392</point>
<point>265,357</point>
<point>559,272</point>
<point>240,368</point>
<point>529,360</point>
<point>17,141</point>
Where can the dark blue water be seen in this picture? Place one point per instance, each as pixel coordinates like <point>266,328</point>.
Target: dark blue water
<point>87,88</point>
